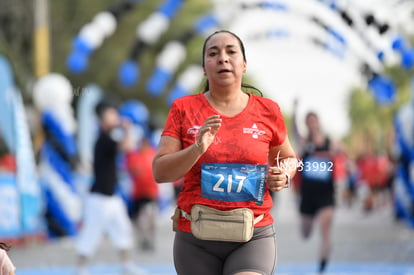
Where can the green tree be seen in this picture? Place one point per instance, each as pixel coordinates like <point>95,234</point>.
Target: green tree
<point>372,121</point>
<point>67,17</point>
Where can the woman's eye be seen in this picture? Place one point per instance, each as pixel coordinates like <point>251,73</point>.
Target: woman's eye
<point>212,54</point>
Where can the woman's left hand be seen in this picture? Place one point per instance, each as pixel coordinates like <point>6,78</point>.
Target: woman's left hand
<point>276,179</point>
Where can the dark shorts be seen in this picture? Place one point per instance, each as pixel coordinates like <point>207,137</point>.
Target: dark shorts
<point>137,205</point>
<point>316,196</point>
<point>195,256</point>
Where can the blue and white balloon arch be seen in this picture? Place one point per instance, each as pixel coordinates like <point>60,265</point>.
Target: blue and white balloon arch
<point>173,54</point>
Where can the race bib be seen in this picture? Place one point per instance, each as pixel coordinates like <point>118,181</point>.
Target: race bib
<point>233,182</point>
<point>317,169</point>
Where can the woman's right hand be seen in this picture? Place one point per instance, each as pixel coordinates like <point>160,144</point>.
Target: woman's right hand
<point>207,132</point>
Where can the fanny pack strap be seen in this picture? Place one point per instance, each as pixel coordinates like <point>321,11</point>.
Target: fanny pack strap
<point>188,216</point>
<point>185,215</point>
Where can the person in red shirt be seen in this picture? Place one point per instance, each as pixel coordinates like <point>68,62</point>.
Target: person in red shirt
<point>219,141</point>
<point>144,192</point>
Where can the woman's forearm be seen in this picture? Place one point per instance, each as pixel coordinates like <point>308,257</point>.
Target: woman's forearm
<point>172,167</point>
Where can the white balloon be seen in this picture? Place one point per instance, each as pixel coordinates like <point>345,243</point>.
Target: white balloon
<point>191,77</point>
<point>65,116</point>
<point>106,21</point>
<point>52,91</point>
<point>151,29</point>
<point>92,34</point>
<point>69,201</point>
<point>172,56</point>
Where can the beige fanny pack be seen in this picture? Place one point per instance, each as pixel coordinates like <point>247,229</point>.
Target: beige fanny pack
<point>215,225</point>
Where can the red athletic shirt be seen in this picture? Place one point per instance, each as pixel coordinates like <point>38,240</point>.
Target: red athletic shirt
<point>244,138</point>
<point>139,165</point>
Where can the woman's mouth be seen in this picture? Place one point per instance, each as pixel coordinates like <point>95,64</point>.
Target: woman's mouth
<point>224,71</point>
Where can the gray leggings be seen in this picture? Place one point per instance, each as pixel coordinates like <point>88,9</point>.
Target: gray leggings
<point>195,256</point>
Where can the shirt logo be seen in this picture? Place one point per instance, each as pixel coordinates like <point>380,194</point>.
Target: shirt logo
<point>254,131</point>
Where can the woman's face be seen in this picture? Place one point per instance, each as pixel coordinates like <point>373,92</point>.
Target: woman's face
<point>223,60</point>
<point>312,122</point>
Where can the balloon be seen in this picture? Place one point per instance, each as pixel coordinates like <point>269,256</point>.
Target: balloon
<point>205,23</point>
<point>69,200</point>
<point>175,93</point>
<point>383,89</point>
<point>398,44</point>
<point>407,59</point>
<point>173,54</point>
<point>186,82</point>
<point>170,7</point>
<point>106,22</point>
<point>77,62</point>
<point>52,91</point>
<point>380,55</point>
<point>59,165</point>
<point>65,139</point>
<point>92,35</point>
<point>151,29</point>
<point>66,117</point>
<point>135,111</point>
<point>80,45</point>
<point>158,81</point>
<point>128,73</point>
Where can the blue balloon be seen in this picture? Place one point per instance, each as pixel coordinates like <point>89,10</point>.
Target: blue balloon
<point>80,45</point>
<point>58,213</point>
<point>77,62</point>
<point>398,44</point>
<point>175,93</point>
<point>60,166</point>
<point>135,111</point>
<point>380,55</point>
<point>407,59</point>
<point>67,141</point>
<point>383,89</point>
<point>333,5</point>
<point>128,73</point>
<point>158,81</point>
<point>205,23</point>
<point>170,7</point>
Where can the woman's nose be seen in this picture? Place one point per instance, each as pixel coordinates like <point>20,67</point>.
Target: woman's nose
<point>223,58</point>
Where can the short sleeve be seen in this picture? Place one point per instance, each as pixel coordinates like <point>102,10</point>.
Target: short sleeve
<point>173,123</point>
<point>278,128</point>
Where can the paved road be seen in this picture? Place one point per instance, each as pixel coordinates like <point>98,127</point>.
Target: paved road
<point>362,244</point>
